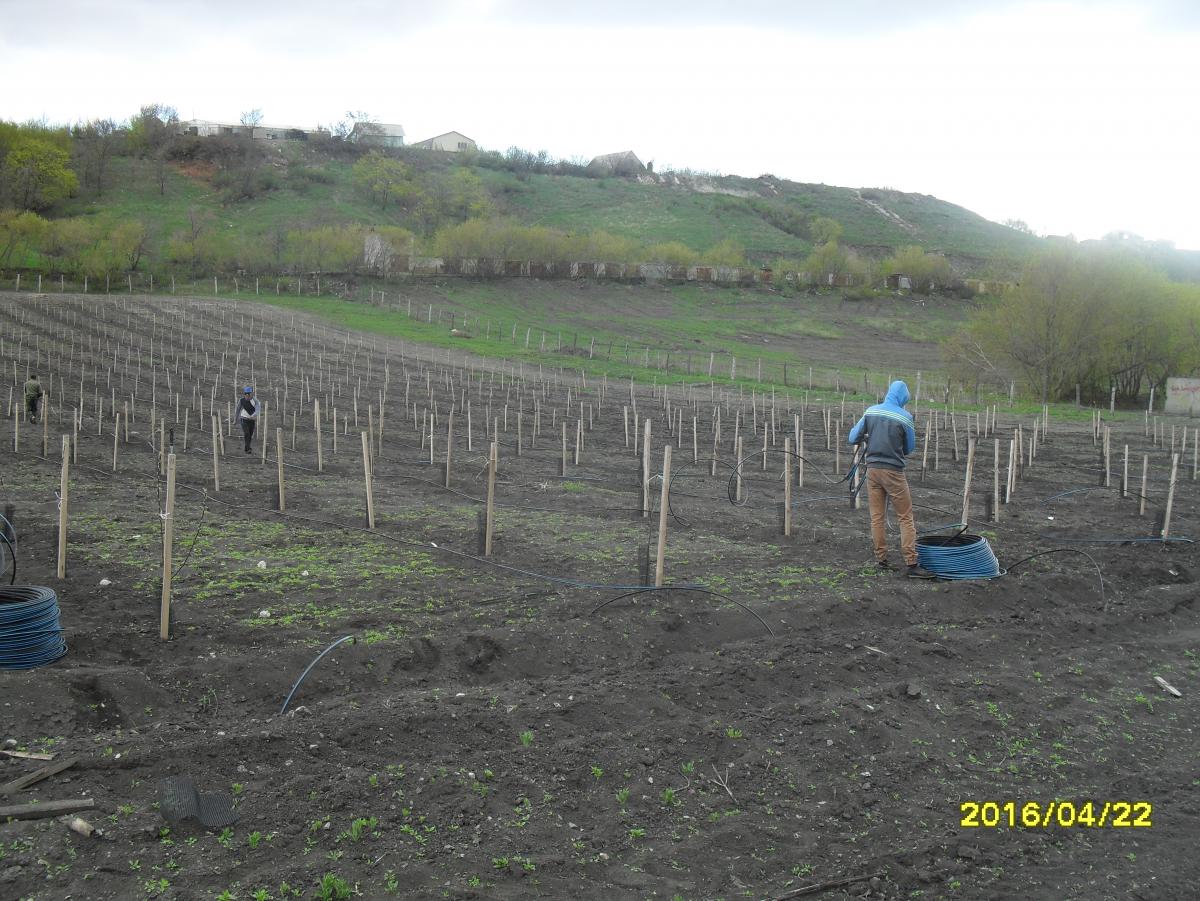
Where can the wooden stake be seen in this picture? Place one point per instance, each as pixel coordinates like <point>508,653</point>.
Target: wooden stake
<point>366,458</point>
<point>450,442</point>
<point>490,514</point>
<point>1125,474</point>
<point>562,464</point>
<point>966,500</point>
<point>738,456</point>
<point>317,432</point>
<point>800,459</point>
<point>646,472</point>
<point>63,497</point>
<point>216,438</point>
<point>663,504</point>
<point>996,480</point>
<point>1166,529</point>
<point>168,544</point>
<point>787,487</point>
<point>279,467</point>
<point>1145,471</point>
<point>1107,456</point>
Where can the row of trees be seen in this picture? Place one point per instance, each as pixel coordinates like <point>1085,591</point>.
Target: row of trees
<point>832,259</point>
<point>94,247</point>
<point>507,240</point>
<point>1091,316</point>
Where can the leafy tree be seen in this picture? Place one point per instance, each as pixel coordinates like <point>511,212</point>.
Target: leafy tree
<point>822,230</point>
<point>326,248</point>
<point>190,245</point>
<point>35,174</point>
<point>672,253</point>
<point>1090,317</point>
<point>66,242</point>
<point>926,269</point>
<point>726,253</point>
<point>130,240</point>
<point>384,178</point>
<point>20,234</point>
<point>832,259</point>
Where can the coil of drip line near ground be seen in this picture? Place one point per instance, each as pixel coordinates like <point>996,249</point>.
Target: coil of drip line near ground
<point>960,556</point>
<point>30,632</point>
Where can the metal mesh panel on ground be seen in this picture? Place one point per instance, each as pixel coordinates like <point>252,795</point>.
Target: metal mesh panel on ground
<point>178,799</point>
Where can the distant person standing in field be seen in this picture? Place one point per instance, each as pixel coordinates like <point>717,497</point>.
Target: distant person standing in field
<point>33,397</point>
<point>887,431</point>
<point>248,408</point>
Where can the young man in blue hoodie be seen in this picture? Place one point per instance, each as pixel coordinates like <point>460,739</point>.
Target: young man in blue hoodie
<point>887,431</point>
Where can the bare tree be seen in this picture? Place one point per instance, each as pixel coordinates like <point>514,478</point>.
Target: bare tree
<point>250,120</point>
<point>97,142</point>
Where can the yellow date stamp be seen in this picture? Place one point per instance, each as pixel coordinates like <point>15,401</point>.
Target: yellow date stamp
<point>1061,814</point>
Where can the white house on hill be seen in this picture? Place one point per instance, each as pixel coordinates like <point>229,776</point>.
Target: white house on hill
<point>206,128</point>
<point>377,134</point>
<point>451,141</point>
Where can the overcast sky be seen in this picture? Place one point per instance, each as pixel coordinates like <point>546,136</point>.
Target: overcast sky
<point>1078,117</point>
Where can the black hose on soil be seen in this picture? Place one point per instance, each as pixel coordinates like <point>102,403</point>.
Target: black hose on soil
<point>307,669</point>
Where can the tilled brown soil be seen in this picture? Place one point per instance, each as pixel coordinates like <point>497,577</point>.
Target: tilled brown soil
<point>491,734</point>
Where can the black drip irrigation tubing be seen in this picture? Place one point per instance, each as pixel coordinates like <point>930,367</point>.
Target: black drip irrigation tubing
<point>307,669</point>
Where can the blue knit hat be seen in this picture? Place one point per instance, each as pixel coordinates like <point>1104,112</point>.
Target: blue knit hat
<point>247,390</point>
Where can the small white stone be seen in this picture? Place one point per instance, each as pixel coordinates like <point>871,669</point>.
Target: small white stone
<point>304,572</point>
<point>104,583</point>
<point>264,614</point>
<point>262,564</point>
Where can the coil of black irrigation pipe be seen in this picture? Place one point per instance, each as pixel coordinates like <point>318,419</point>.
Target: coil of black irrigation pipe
<point>959,556</point>
<point>31,633</point>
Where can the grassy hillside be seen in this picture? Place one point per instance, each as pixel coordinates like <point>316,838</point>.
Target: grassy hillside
<point>702,217</point>
<point>765,215</point>
<point>298,200</point>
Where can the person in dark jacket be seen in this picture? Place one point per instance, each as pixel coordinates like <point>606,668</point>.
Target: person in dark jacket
<point>33,397</point>
<point>887,432</point>
<point>248,414</point>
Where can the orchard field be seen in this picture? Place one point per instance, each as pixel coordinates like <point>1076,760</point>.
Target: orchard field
<point>778,720</point>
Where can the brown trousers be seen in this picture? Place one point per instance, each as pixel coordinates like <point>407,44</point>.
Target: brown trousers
<point>882,485</point>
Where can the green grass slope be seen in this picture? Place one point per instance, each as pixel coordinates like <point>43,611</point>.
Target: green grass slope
<point>702,211</point>
<point>299,200</point>
<point>759,214</point>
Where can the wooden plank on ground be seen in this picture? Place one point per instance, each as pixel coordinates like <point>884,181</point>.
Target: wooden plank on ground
<point>45,809</point>
<point>36,776</point>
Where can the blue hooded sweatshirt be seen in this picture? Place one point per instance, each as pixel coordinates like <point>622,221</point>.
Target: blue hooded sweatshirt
<point>887,430</point>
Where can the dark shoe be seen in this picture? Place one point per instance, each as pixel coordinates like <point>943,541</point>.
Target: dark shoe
<point>917,571</point>
<point>880,564</point>
<point>247,450</point>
